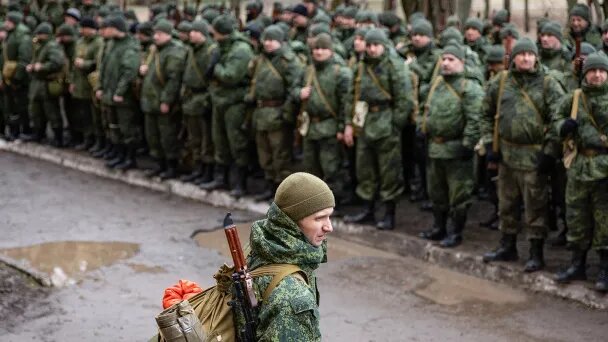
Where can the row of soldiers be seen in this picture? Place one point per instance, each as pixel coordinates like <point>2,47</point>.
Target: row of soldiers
<point>391,100</point>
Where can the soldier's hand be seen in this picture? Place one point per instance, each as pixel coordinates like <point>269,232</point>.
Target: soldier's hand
<point>29,67</point>
<point>78,62</point>
<point>348,136</point>
<point>37,66</point>
<point>570,126</point>
<point>305,93</point>
<point>118,99</point>
<point>164,108</point>
<point>99,94</point>
<point>143,69</point>
<point>340,136</point>
<point>71,88</point>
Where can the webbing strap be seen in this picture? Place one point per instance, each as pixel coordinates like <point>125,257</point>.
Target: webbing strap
<point>279,272</point>
<point>501,88</point>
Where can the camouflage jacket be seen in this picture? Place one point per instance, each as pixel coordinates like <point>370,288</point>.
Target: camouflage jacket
<point>230,75</point>
<point>163,79</point>
<point>451,118</point>
<point>592,35</point>
<point>118,71</point>
<point>528,105</point>
<point>90,11</point>
<point>274,77</point>
<point>334,80</point>
<point>87,48</point>
<point>196,99</point>
<point>555,59</point>
<point>592,118</point>
<point>384,83</point>
<point>52,12</point>
<point>51,56</point>
<point>18,47</point>
<point>480,46</point>
<point>425,66</point>
<point>291,313</point>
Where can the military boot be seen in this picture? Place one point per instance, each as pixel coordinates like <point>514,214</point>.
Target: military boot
<point>129,161</point>
<point>111,152</point>
<point>577,269</point>
<point>196,173</point>
<point>365,216</point>
<point>602,278</point>
<point>560,239</point>
<point>107,147</point>
<point>171,171</point>
<point>87,142</point>
<point>100,144</point>
<point>388,222</point>
<point>161,166</point>
<point>438,231</point>
<point>219,181</point>
<point>454,237</point>
<point>13,132</point>
<point>207,175</point>
<point>57,138</point>
<point>119,157</point>
<point>536,260</point>
<point>507,251</point>
<point>35,136</point>
<point>240,188</point>
<point>267,193</point>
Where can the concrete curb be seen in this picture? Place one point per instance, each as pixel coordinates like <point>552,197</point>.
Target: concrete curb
<point>399,243</point>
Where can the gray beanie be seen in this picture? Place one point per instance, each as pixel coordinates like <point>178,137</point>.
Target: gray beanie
<point>581,10</point>
<point>596,60</point>
<point>164,25</point>
<point>552,28</point>
<point>200,26</point>
<point>524,45</point>
<point>273,32</point>
<point>455,50</point>
<point>474,23</point>
<point>44,28</point>
<point>376,36</point>
<point>14,17</point>
<point>496,54</point>
<point>223,24</point>
<point>422,27</point>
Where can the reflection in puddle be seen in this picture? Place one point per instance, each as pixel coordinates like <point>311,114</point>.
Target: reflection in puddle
<point>67,261</point>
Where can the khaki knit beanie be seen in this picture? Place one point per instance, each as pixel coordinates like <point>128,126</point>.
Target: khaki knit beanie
<point>302,194</point>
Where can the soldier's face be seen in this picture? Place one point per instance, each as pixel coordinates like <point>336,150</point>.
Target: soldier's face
<point>359,44</point>
<point>525,61</point>
<point>349,22</point>
<point>70,20</point>
<point>161,38</point>
<point>197,37</point>
<point>578,24</point>
<point>420,40</point>
<point>316,226</point>
<point>321,55</point>
<point>271,45</point>
<point>549,41</point>
<point>8,25</point>
<point>2,35</point>
<point>596,77</point>
<point>471,34</point>
<point>300,20</point>
<point>87,31</point>
<point>605,37</point>
<point>451,65</point>
<point>375,50</point>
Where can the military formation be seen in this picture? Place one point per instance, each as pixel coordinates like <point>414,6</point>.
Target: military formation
<point>374,105</point>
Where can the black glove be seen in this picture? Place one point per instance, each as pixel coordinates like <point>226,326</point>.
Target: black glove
<point>546,164</point>
<point>491,156</point>
<point>569,126</point>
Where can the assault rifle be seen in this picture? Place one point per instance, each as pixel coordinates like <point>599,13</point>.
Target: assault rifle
<point>245,302</point>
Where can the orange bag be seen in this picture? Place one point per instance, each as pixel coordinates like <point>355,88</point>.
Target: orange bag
<point>184,289</point>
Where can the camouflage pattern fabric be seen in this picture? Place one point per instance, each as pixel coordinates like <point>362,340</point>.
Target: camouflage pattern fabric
<point>587,213</point>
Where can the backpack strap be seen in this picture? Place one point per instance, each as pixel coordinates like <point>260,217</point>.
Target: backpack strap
<point>315,82</point>
<point>279,272</point>
<point>575,100</point>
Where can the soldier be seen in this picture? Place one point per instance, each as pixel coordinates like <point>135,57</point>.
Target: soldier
<point>450,123</point>
<point>382,84</point>
<point>66,36</point>
<point>103,146</point>
<point>494,62</point>
<point>294,232</point>
<point>582,121</point>
<point>501,18</point>
<point>51,12</point>
<point>196,103</point>
<point>367,19</point>
<point>275,74</point>
<point>327,99</point>
<point>552,54</point>
<point>300,24</point>
<point>183,32</point>
<point>72,17</point>
<point>159,99</point>
<point>117,76</point>
<point>17,53</point>
<point>87,49</point>
<point>572,74</point>
<point>230,82</point>
<point>347,27</point>
<point>88,8</point>
<point>518,107</point>
<point>46,70</point>
<point>474,38</point>
<point>397,33</point>
<point>255,13</point>
<point>580,25</point>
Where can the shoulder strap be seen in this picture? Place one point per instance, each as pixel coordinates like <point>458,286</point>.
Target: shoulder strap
<point>575,100</point>
<point>317,86</point>
<point>272,68</point>
<point>279,272</point>
<point>427,104</point>
<point>414,80</point>
<point>309,75</point>
<point>159,73</point>
<point>436,68</point>
<point>194,65</point>
<point>377,83</point>
<point>501,89</point>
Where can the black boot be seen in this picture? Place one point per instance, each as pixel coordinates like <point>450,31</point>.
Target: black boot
<point>365,216</point>
<point>13,132</point>
<point>560,239</point>
<point>507,251</point>
<point>267,193</point>
<point>577,269</point>
<point>219,181</point>
<point>35,136</point>
<point>489,223</point>
<point>602,278</point>
<point>119,157</point>
<point>57,138</point>
<point>111,152</point>
<point>171,171</point>
<point>100,143</point>
<point>388,222</point>
<point>102,152</point>
<point>207,175</point>
<point>426,205</point>
<point>455,229</point>
<point>86,144</point>
<point>198,171</point>
<point>438,231</point>
<point>536,260</point>
<point>129,162</point>
<point>161,166</point>
<point>240,188</point>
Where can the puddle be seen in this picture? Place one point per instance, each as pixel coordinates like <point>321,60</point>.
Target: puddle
<point>447,287</point>
<point>338,249</point>
<point>67,261</point>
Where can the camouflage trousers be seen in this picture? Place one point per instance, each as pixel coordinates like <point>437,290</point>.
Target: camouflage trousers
<point>15,107</point>
<point>379,168</point>
<point>450,185</point>
<point>587,213</point>
<point>161,135</point>
<point>45,110</point>
<point>323,158</point>
<point>229,138</point>
<point>123,125</point>
<point>99,120</point>
<point>81,117</point>
<point>274,153</point>
<point>199,138</point>
<point>517,186</point>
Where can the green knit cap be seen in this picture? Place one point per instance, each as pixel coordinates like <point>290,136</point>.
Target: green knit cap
<point>450,33</point>
<point>422,27</point>
<point>496,54</point>
<point>44,28</point>
<point>376,36</point>
<point>273,32</point>
<point>323,41</point>
<point>586,49</point>
<point>200,26</point>
<point>509,29</point>
<point>524,45</point>
<point>474,23</point>
<point>596,60</point>
<point>581,10</point>
<point>14,17</point>
<point>302,194</point>
<point>553,28</point>
<point>455,50</point>
<point>224,24</point>
<point>500,18</point>
<point>316,29</point>
<point>164,25</point>
<point>184,26</point>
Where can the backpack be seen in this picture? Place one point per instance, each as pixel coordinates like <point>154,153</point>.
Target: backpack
<point>212,308</point>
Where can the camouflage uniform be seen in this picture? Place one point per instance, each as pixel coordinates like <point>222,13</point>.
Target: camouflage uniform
<point>51,12</point>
